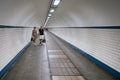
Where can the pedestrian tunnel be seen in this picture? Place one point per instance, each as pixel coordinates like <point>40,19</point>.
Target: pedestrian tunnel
<point>82,40</point>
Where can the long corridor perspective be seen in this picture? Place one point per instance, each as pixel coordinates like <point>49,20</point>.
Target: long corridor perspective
<point>82,40</point>
<point>55,60</point>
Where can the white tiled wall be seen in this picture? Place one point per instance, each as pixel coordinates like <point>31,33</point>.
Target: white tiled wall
<point>103,44</point>
<point>12,40</point>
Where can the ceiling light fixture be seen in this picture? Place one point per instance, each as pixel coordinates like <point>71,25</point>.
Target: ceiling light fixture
<point>53,6</point>
<point>56,2</point>
<point>52,10</point>
<point>49,15</point>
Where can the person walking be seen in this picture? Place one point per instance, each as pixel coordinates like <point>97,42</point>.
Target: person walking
<point>41,33</point>
<point>34,35</point>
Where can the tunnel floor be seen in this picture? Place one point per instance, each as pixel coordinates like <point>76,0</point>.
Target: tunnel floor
<point>55,60</point>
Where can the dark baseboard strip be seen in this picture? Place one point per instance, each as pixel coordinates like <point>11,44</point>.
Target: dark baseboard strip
<point>95,27</point>
<point>5,26</point>
<point>9,65</point>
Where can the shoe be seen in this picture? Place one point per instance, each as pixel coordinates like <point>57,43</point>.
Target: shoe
<point>35,44</point>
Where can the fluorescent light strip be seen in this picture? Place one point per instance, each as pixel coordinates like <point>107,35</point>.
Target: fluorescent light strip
<point>49,14</point>
<point>48,17</point>
<point>46,21</point>
<point>52,10</point>
<point>56,2</point>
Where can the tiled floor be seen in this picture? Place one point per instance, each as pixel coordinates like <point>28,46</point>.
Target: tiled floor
<point>67,78</point>
<point>70,64</point>
<point>55,60</point>
<point>61,68</point>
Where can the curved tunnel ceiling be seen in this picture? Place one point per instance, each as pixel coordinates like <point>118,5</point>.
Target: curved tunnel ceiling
<point>70,13</point>
<point>86,13</point>
<point>23,12</point>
